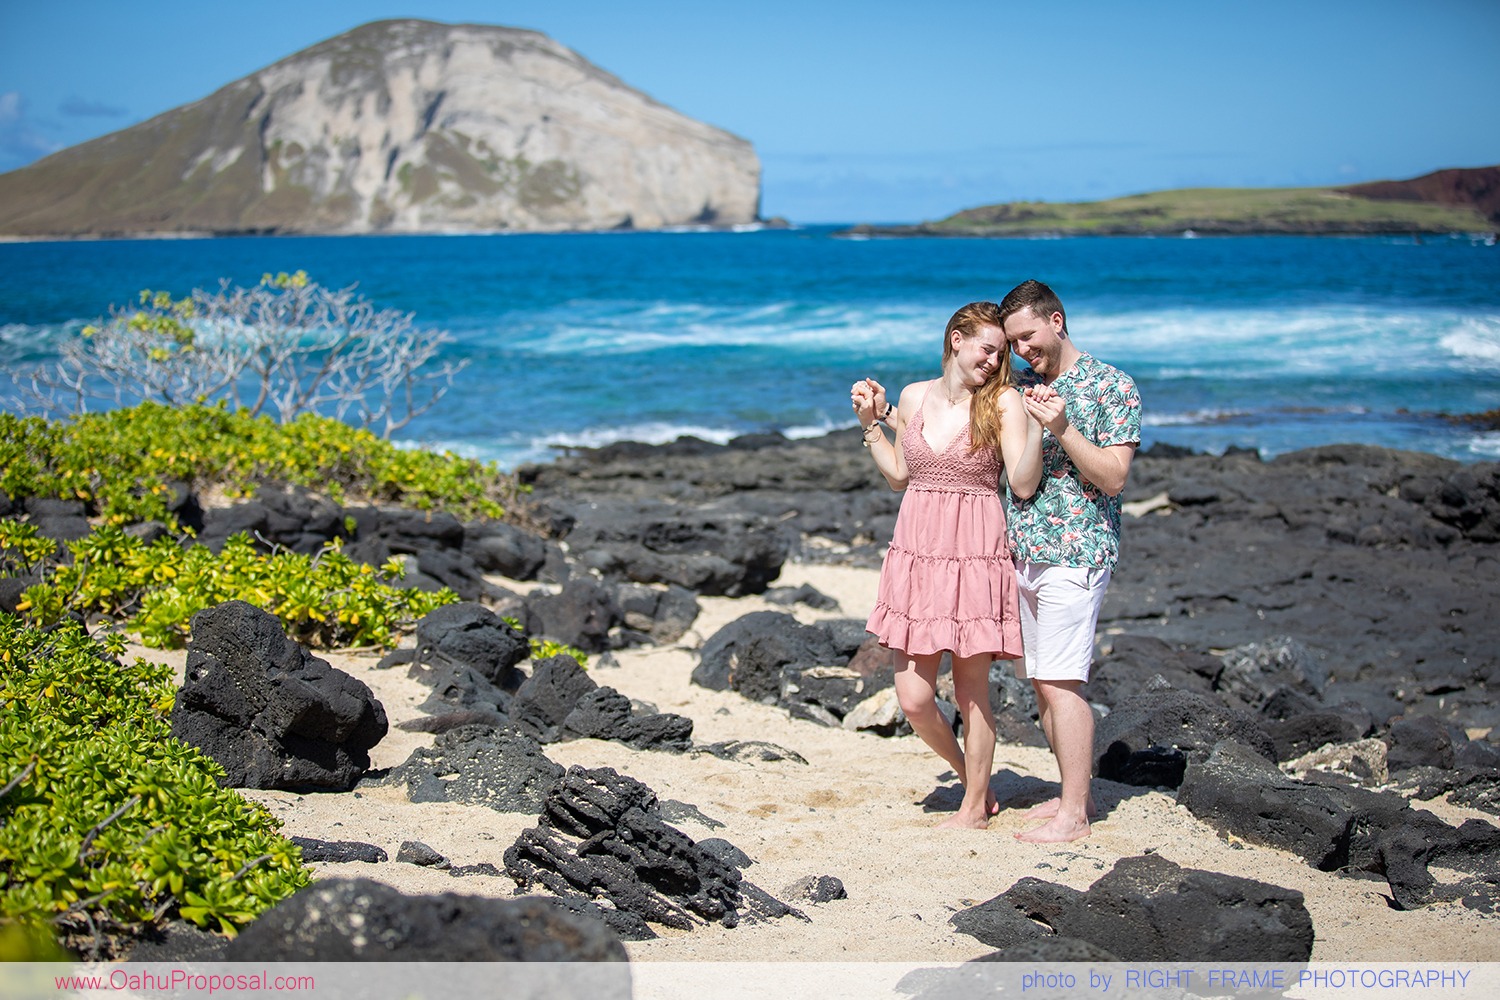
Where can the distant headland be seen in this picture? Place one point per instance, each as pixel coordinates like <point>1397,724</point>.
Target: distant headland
<point>401,126</point>
<point>1445,201</point>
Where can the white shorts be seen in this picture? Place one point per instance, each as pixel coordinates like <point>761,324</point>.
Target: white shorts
<point>1059,610</point>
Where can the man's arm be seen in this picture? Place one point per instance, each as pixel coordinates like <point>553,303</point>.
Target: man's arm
<point>1106,466</point>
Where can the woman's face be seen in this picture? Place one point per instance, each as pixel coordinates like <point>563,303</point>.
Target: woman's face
<point>979,355</point>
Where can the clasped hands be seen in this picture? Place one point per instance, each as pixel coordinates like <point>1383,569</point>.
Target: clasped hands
<point>1046,407</point>
<point>868,397</point>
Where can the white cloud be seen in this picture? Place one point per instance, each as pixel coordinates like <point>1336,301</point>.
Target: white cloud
<point>20,141</point>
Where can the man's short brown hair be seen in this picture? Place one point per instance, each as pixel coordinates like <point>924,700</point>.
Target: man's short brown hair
<point>1032,294</point>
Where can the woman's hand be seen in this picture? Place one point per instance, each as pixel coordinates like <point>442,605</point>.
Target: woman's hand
<point>862,396</point>
<point>1047,408</point>
<point>883,408</point>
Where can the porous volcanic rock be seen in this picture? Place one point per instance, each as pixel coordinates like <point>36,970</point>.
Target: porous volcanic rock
<point>272,714</point>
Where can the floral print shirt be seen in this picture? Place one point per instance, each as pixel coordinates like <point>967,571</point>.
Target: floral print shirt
<point>1070,521</point>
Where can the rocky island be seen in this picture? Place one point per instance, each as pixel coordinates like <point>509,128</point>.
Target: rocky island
<point>398,127</point>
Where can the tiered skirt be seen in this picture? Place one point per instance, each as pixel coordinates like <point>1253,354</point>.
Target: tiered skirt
<point>948,582</point>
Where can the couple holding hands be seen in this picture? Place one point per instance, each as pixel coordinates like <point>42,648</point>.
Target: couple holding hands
<point>984,579</point>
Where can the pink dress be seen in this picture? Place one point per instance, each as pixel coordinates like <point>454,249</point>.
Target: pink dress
<point>948,582</point>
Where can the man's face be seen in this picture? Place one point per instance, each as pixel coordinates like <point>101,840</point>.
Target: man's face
<point>1036,340</point>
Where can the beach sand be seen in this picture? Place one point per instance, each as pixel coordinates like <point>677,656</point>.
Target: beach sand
<point>862,809</point>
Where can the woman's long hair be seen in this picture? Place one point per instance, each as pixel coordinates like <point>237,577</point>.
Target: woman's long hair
<point>984,407</point>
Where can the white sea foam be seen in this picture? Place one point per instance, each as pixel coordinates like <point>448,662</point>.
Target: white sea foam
<point>1477,339</point>
<point>805,431</point>
<point>462,449</point>
<point>626,328</point>
<point>1190,418</point>
<point>646,433</point>
<point>1485,445</point>
<point>1322,342</point>
<point>511,450</point>
<point>35,336</point>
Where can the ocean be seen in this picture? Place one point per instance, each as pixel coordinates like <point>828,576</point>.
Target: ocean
<point>1273,343</point>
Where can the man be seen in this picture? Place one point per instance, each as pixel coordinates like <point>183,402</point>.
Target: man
<point>1066,537</point>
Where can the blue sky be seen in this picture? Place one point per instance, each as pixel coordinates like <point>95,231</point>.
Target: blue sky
<point>882,111</point>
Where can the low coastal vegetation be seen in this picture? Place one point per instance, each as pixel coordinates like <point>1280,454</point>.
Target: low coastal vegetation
<point>132,464</point>
<point>155,588</point>
<point>109,826</point>
<point>108,823</point>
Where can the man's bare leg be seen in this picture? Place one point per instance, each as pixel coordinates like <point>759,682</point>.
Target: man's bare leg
<point>971,687</point>
<point>1071,734</point>
<point>1048,809</point>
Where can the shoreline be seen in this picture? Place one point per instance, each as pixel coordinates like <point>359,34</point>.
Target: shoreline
<point>1328,527</point>
<point>860,806</point>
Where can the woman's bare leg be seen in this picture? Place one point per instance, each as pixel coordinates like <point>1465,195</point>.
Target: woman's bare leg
<point>971,687</point>
<point>916,692</point>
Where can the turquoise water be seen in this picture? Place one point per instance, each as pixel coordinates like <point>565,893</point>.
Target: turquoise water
<point>1275,343</point>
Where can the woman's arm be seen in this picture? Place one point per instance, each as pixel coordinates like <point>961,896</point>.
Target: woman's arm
<point>889,457</point>
<point>1020,446</point>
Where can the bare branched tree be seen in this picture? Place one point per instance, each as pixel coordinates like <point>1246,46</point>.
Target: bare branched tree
<point>286,346</point>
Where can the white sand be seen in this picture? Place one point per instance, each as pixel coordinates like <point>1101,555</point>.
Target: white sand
<point>854,811</point>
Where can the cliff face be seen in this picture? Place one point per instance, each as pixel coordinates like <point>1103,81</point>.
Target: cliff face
<point>399,126</point>
<point>1478,187</point>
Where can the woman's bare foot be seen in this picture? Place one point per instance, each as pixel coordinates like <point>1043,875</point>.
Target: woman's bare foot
<point>964,821</point>
<point>1057,831</point>
<point>991,804</point>
<point>1048,809</point>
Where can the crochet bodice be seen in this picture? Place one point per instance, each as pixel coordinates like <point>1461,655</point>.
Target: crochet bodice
<point>957,469</point>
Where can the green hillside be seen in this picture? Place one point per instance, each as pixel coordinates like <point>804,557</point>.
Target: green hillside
<point>1205,211</point>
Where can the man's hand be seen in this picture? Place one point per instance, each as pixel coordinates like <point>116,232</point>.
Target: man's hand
<point>1047,408</point>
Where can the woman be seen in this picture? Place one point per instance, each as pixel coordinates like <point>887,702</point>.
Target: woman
<point>948,584</point>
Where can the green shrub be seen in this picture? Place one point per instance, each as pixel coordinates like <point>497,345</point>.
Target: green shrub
<point>541,649</point>
<point>122,462</point>
<point>107,823</point>
<point>323,600</point>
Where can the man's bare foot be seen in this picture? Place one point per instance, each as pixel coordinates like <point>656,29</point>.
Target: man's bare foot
<point>964,821</point>
<point>1048,809</point>
<point>1058,831</point>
